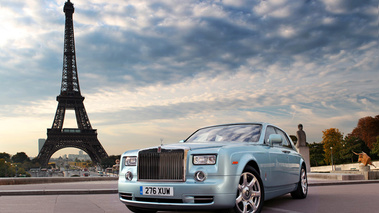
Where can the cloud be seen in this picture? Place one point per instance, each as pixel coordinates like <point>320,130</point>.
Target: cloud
<point>171,66</point>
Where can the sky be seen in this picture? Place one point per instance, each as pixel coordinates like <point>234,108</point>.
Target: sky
<point>160,69</point>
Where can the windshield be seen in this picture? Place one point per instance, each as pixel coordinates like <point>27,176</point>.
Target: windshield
<point>231,133</point>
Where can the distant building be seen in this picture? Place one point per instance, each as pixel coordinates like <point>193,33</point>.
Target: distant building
<point>80,156</point>
<point>41,142</point>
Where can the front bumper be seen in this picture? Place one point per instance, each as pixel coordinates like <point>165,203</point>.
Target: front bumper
<point>217,192</point>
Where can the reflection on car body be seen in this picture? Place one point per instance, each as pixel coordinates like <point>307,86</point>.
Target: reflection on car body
<point>231,167</point>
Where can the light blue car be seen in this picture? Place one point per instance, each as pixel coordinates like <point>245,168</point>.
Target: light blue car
<point>230,167</point>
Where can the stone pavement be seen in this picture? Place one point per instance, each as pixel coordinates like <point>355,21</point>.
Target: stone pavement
<point>110,187</point>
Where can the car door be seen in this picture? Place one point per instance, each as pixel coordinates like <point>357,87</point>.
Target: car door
<point>293,166</point>
<point>278,162</point>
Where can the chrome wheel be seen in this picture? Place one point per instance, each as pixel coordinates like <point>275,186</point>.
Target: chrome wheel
<point>249,197</point>
<point>304,181</point>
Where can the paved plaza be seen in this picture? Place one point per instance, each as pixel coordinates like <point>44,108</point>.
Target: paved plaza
<point>101,197</point>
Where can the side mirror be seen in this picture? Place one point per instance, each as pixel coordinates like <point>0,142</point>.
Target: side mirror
<point>275,139</point>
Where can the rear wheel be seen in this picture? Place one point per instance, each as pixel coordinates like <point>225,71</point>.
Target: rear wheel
<point>302,187</point>
<point>250,194</point>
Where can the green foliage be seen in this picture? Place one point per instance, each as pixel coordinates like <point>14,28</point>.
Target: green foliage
<point>316,154</point>
<point>352,144</point>
<point>21,172</point>
<point>375,149</point>
<point>6,169</point>
<point>343,148</point>
<point>20,157</point>
<point>27,165</point>
<point>19,163</point>
<point>109,161</point>
<point>293,138</point>
<point>5,156</point>
<point>35,163</point>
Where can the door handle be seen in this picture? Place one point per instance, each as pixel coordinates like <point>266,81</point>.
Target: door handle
<point>287,152</point>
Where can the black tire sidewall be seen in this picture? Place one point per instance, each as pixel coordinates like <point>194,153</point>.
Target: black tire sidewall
<point>298,193</point>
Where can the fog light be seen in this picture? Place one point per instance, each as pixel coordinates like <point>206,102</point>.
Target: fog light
<point>189,199</point>
<point>129,175</point>
<point>200,176</point>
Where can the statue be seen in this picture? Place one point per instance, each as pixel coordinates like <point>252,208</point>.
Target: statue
<point>364,159</point>
<point>301,146</point>
<point>301,137</point>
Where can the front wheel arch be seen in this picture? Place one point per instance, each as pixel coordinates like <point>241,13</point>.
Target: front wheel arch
<point>254,165</point>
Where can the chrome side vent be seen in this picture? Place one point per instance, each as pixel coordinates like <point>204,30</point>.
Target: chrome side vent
<point>126,196</point>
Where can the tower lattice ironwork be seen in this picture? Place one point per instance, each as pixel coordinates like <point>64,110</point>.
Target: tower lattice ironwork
<point>83,137</point>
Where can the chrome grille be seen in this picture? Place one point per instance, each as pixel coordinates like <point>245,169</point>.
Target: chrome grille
<point>167,165</point>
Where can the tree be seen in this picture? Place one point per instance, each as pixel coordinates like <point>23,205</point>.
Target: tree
<point>375,149</point>
<point>35,162</point>
<point>332,142</point>
<point>5,156</point>
<point>109,161</point>
<point>22,173</point>
<point>352,144</point>
<point>20,157</point>
<point>27,165</point>
<point>368,130</point>
<point>6,169</point>
<point>293,138</point>
<point>316,154</point>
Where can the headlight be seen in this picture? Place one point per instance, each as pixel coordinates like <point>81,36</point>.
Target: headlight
<point>130,160</point>
<point>204,159</point>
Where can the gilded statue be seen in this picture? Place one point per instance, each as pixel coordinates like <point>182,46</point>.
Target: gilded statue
<point>364,159</point>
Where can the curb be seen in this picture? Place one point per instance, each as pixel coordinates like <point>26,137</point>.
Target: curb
<point>343,182</point>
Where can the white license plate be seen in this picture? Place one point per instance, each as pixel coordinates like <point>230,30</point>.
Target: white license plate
<point>154,190</point>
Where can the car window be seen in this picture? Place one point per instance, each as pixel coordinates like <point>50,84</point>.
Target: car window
<point>230,133</point>
<point>285,142</point>
<point>269,131</point>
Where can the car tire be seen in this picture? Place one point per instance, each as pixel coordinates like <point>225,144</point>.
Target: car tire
<point>302,187</point>
<point>140,210</point>
<point>250,194</point>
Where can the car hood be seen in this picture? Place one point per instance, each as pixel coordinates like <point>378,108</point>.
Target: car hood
<point>194,146</point>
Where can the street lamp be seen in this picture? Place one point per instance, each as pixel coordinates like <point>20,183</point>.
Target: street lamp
<point>331,156</point>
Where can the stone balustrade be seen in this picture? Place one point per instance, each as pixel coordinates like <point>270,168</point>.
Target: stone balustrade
<point>40,180</point>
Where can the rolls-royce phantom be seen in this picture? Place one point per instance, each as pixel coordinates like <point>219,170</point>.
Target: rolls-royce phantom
<point>229,167</point>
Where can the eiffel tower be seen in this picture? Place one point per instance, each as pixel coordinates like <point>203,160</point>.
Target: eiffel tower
<point>83,137</point>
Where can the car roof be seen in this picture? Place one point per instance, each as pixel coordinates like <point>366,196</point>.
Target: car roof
<point>243,123</point>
